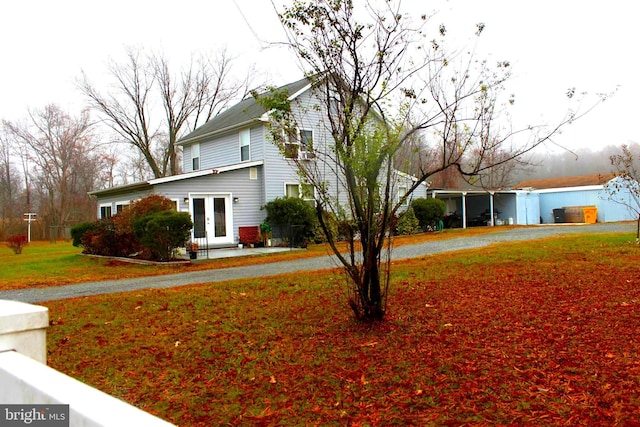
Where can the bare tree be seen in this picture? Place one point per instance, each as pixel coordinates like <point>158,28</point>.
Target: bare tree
<point>63,160</point>
<point>500,176</point>
<point>189,98</point>
<point>9,189</point>
<point>382,82</point>
<point>625,189</point>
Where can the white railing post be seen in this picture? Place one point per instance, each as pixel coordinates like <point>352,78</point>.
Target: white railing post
<point>23,328</point>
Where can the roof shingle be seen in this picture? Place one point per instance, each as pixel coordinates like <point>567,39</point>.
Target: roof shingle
<point>244,112</point>
<point>568,181</point>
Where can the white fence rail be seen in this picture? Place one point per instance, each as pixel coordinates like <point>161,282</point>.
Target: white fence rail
<point>26,380</point>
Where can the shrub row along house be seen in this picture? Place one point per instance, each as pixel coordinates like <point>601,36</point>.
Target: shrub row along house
<point>232,168</point>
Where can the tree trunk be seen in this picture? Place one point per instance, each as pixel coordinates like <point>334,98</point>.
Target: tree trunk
<point>370,287</point>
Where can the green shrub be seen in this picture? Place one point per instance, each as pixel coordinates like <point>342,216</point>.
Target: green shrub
<point>408,223</point>
<point>293,218</point>
<point>77,231</point>
<point>428,211</point>
<point>162,232</point>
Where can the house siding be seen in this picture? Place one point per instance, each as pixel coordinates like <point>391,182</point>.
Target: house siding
<point>559,199</point>
<point>187,165</point>
<point>224,150</point>
<point>236,183</point>
<point>279,170</point>
<point>124,199</point>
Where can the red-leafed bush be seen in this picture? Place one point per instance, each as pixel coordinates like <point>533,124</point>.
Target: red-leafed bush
<point>17,242</point>
<point>116,236</point>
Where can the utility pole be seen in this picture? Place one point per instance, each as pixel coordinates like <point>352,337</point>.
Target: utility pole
<point>30,217</point>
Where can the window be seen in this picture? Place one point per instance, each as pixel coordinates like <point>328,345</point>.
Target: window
<point>307,192</point>
<point>292,190</point>
<point>402,190</point>
<point>120,206</point>
<point>245,145</point>
<point>253,173</point>
<point>195,156</point>
<point>304,191</point>
<point>105,211</point>
<point>306,144</point>
<point>299,145</point>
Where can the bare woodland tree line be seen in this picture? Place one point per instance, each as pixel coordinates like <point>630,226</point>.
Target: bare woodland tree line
<point>52,158</point>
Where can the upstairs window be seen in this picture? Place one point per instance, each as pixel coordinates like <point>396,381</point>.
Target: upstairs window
<point>195,156</point>
<point>306,144</point>
<point>245,145</point>
<point>299,145</point>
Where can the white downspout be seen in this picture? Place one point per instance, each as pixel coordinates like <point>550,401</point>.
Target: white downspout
<point>464,209</point>
<point>491,193</point>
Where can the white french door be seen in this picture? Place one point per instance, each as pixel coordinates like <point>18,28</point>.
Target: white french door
<point>212,218</point>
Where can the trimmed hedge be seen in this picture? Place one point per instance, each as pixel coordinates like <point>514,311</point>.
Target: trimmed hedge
<point>162,232</point>
<point>428,211</point>
<point>293,218</point>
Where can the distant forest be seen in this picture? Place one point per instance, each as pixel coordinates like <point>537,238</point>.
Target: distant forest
<point>584,161</point>
<point>538,165</point>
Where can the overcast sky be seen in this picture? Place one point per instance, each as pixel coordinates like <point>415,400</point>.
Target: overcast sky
<point>553,45</point>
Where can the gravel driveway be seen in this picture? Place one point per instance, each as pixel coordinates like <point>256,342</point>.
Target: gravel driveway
<point>308,264</point>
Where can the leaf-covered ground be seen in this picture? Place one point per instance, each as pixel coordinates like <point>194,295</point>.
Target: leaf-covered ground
<point>536,333</point>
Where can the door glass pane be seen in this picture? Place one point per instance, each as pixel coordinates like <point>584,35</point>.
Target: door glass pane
<point>199,224</point>
<point>220,217</point>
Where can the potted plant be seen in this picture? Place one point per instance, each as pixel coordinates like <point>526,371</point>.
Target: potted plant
<point>192,248</point>
<point>265,231</point>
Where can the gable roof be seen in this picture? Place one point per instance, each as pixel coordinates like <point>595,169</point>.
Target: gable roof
<point>568,181</point>
<point>241,114</point>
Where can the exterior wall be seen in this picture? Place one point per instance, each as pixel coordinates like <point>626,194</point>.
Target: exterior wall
<point>237,184</point>
<point>528,208</point>
<point>616,208</point>
<point>187,165</point>
<point>124,199</point>
<point>224,150</point>
<point>258,142</point>
<point>279,170</point>
<point>550,200</point>
<point>608,210</point>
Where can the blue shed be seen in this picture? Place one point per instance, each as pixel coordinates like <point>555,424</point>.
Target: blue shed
<point>556,194</point>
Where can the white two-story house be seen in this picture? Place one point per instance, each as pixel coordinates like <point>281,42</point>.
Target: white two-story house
<point>231,168</point>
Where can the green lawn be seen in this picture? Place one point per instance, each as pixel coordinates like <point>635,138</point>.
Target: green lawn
<point>52,264</point>
<point>515,334</point>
